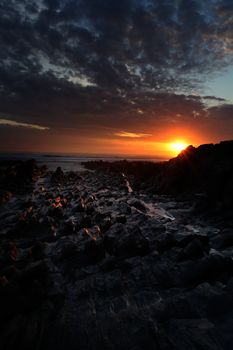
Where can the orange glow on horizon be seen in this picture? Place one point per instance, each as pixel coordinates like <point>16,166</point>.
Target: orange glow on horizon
<point>161,144</point>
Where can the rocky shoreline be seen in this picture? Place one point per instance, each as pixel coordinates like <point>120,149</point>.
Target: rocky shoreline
<point>94,261</point>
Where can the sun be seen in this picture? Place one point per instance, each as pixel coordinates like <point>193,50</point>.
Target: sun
<point>178,146</point>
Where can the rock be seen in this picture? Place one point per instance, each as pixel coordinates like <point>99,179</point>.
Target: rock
<point>58,176</point>
<point>183,239</point>
<point>37,271</point>
<point>69,226</point>
<point>81,207</point>
<point>124,208</point>
<point>112,263</point>
<point>226,238</point>
<point>85,221</point>
<point>3,281</point>
<point>90,208</point>
<point>138,205</point>
<point>56,212</point>
<point>120,242</point>
<point>9,254</point>
<point>211,268</point>
<point>164,241</point>
<point>121,219</point>
<point>105,224</point>
<point>9,272</point>
<point>37,251</point>
<point>69,251</point>
<point>94,250</point>
<point>26,291</point>
<point>5,196</point>
<point>112,235</point>
<point>113,269</point>
<point>193,250</point>
<point>188,334</point>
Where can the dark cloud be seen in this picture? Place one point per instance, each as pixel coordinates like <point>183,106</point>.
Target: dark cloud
<point>222,112</point>
<point>214,98</point>
<point>80,62</point>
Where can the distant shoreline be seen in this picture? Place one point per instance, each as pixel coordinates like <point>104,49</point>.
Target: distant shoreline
<point>77,155</point>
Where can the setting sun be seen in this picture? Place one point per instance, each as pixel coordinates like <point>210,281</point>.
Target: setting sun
<point>178,146</point>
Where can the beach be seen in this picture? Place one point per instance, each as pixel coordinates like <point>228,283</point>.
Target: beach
<point>89,260</point>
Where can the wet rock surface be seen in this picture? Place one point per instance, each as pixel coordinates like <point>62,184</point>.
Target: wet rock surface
<point>88,263</point>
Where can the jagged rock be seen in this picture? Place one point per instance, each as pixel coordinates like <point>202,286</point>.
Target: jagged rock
<point>224,239</point>
<point>121,219</point>
<point>94,250</point>
<point>105,224</point>
<point>69,226</point>
<point>164,241</point>
<point>138,205</point>
<point>130,275</point>
<point>183,239</point>
<point>81,207</point>
<point>193,250</point>
<point>211,268</point>
<point>37,251</point>
<point>5,196</point>
<point>58,176</point>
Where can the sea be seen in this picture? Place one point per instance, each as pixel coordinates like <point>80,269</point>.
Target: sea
<point>72,162</point>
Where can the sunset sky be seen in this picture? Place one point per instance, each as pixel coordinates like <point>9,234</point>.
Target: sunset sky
<point>115,76</point>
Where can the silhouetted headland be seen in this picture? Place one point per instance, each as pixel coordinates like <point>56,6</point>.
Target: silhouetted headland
<point>205,171</point>
<point>133,255</point>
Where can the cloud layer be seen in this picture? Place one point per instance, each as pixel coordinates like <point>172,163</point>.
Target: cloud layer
<point>131,134</point>
<point>121,64</point>
<point>8,122</point>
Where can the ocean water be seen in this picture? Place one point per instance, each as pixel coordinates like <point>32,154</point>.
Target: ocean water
<point>69,162</point>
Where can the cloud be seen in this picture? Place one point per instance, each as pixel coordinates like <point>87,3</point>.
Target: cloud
<point>214,98</point>
<point>221,113</point>
<point>121,64</point>
<point>83,81</point>
<point>13,123</point>
<point>131,134</point>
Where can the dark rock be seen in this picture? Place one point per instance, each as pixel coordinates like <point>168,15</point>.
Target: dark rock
<point>26,291</point>
<point>85,221</point>
<point>9,254</point>
<point>38,271</point>
<point>68,251</point>
<point>105,224</point>
<point>164,241</point>
<point>226,238</point>
<point>81,207</point>
<point>129,245</point>
<point>211,268</point>
<point>121,219</point>
<point>112,263</point>
<point>58,176</point>
<point>56,212</point>
<point>120,242</point>
<point>183,239</point>
<point>5,196</point>
<point>138,205</point>
<point>193,250</point>
<point>185,333</point>
<point>94,250</point>
<point>69,226</point>
<point>37,251</point>
<point>114,274</point>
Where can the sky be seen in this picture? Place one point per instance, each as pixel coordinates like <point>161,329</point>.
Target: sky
<point>115,77</point>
